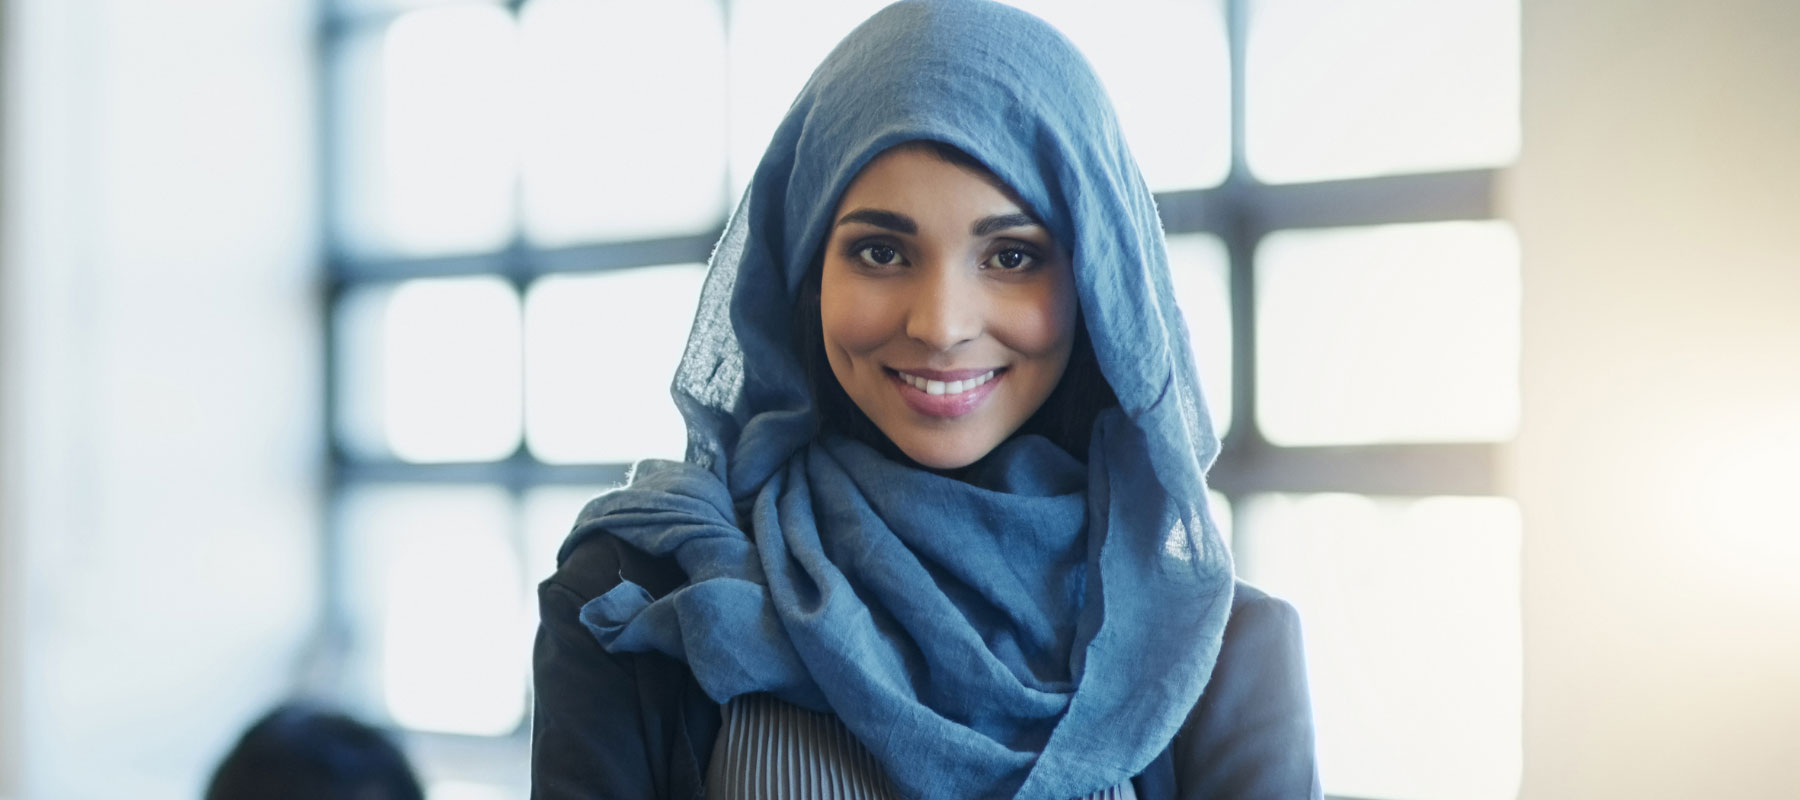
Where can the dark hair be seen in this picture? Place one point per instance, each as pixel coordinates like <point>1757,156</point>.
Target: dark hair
<point>1066,418</point>
<point>301,752</point>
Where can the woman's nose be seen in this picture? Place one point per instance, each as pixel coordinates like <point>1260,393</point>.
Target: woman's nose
<point>948,308</point>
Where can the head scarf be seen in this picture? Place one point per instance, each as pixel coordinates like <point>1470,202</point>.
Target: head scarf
<point>1038,629</point>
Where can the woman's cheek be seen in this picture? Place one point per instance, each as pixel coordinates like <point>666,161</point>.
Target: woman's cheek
<point>1042,321</point>
<point>853,319</point>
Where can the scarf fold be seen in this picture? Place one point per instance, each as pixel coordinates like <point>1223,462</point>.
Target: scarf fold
<point>999,631</point>
<point>1038,629</point>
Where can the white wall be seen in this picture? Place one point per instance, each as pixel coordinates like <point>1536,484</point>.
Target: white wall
<point>158,386</point>
<point>1658,202</point>
<point>11,576</point>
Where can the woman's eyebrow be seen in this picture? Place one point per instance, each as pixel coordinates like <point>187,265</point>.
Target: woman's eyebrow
<point>987,225</point>
<point>898,223</point>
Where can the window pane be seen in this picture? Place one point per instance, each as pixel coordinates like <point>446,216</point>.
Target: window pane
<point>1399,333</point>
<point>427,132</point>
<point>1167,69</point>
<point>1337,90</point>
<point>624,118</point>
<point>1410,612</point>
<point>434,593</point>
<point>601,353</point>
<point>358,185</point>
<point>359,7</point>
<point>1202,275</point>
<point>469,790</point>
<point>429,370</point>
<point>775,45</point>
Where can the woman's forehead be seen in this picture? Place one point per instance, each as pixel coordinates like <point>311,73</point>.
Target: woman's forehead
<point>920,174</point>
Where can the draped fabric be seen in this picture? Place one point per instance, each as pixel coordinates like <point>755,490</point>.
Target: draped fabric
<point>1037,627</point>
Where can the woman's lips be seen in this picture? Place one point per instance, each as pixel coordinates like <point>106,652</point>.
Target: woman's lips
<point>947,403</point>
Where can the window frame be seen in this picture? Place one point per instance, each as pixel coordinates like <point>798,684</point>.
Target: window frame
<point>1241,212</point>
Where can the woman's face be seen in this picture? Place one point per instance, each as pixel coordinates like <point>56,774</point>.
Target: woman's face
<point>947,311</point>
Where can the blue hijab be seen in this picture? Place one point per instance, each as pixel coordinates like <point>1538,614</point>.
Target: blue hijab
<point>1037,628</point>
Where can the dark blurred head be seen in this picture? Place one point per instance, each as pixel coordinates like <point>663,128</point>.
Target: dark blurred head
<point>300,752</point>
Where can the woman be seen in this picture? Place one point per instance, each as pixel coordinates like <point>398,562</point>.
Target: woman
<point>942,528</point>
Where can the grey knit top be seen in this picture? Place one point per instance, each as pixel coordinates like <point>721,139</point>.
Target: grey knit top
<point>767,748</point>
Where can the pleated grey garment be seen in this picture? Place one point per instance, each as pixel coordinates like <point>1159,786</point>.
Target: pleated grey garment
<point>770,749</point>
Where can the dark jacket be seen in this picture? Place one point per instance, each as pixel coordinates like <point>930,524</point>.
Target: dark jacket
<point>637,725</point>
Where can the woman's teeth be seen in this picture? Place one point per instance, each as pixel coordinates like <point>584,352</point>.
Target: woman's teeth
<point>946,387</point>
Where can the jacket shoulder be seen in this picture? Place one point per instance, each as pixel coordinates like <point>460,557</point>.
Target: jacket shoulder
<point>611,724</point>
<point>598,561</point>
<point>1251,735</point>
<point>1248,598</point>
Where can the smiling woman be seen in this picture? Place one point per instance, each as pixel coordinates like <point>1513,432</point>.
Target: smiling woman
<point>942,527</point>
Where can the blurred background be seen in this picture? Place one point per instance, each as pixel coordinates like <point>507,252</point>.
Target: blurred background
<point>320,319</point>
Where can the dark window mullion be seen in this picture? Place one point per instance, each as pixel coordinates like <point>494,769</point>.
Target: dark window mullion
<point>693,249</point>
<point>1193,210</point>
<point>1391,199</point>
<point>1382,469</point>
<point>339,23</point>
<point>519,472</point>
<point>521,261</point>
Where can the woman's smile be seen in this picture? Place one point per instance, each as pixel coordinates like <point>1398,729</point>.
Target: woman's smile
<point>947,309</point>
<point>951,393</point>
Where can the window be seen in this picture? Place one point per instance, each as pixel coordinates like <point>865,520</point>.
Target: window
<point>501,213</point>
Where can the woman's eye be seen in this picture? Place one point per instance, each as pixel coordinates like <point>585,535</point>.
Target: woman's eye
<point>879,254</point>
<point>1012,259</point>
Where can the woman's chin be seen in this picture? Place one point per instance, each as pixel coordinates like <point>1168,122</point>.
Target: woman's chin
<point>944,453</point>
